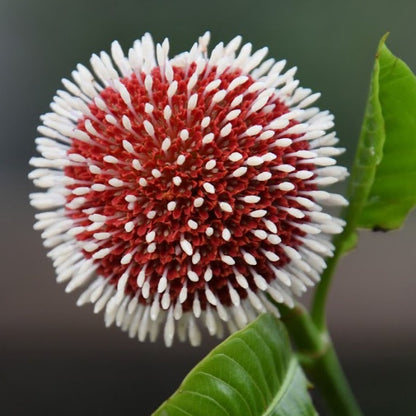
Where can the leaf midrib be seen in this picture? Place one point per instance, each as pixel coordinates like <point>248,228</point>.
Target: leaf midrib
<point>290,374</point>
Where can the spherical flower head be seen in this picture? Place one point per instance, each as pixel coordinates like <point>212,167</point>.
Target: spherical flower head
<point>186,189</point>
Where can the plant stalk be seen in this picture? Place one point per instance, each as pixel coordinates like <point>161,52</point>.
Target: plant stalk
<point>320,362</point>
<point>343,243</point>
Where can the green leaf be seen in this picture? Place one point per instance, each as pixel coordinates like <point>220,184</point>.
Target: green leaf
<point>393,193</point>
<point>382,186</point>
<point>383,180</point>
<point>252,373</point>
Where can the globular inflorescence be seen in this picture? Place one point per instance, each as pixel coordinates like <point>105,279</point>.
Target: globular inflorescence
<point>186,188</point>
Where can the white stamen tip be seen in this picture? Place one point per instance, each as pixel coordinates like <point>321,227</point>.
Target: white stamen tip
<point>128,147</point>
<point>283,142</point>
<point>208,138</point>
<point>198,202</point>
<point>151,248</point>
<point>127,258</point>
<point>180,160</point>
<point>227,259</point>
<point>151,215</point>
<point>136,164</point>
<point>226,130</point>
<point>177,180</point>
<point>184,135</point>
<point>100,254</point>
<point>226,234</point>
<point>235,157</point>
<point>264,176</point>
<point>286,186</point>
<point>209,187</point>
<point>117,183</point>
<point>210,164</point>
<point>205,122</point>
<point>251,199</point>
<point>192,224</point>
<point>156,173</point>
<point>240,171</point>
<point>186,247</point>
<point>254,161</point>
<point>226,207</point>
<point>166,144</point>
<point>150,236</point>
<point>258,213</point>
<point>254,130</point>
<point>193,277</point>
<point>208,274</point>
<point>110,159</point>
<point>249,258</point>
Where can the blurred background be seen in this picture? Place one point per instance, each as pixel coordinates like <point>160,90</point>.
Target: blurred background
<point>56,358</point>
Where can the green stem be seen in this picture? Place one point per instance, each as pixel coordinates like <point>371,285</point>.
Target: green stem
<point>343,243</point>
<point>359,185</point>
<point>326,372</point>
<point>318,309</point>
<point>320,362</point>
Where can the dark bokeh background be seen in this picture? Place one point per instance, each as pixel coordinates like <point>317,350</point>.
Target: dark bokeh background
<point>59,359</point>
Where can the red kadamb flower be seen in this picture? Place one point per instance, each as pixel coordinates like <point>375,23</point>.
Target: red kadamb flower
<point>186,188</point>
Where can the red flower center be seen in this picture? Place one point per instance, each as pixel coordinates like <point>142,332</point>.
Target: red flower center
<point>188,184</point>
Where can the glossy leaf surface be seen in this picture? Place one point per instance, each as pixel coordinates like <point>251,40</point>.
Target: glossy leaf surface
<point>383,181</point>
<point>252,373</point>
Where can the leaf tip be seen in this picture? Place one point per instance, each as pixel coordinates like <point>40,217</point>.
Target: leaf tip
<point>382,43</point>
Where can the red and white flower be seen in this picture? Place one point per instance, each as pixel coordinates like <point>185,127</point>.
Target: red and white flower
<point>186,188</point>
